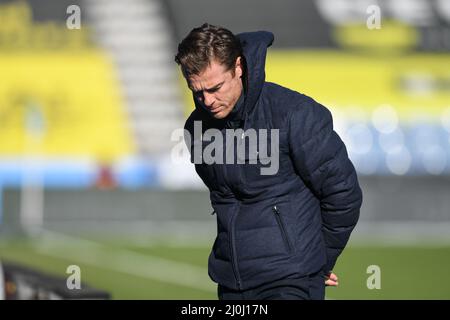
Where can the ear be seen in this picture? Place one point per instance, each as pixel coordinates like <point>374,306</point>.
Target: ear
<point>185,75</point>
<point>238,67</point>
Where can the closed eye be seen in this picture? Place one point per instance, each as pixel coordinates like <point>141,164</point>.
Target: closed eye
<point>199,93</point>
<point>212,90</point>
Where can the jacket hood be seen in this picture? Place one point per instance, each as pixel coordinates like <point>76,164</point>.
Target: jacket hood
<point>254,46</point>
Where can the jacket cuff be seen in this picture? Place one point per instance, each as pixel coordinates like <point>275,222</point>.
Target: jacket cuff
<point>332,255</point>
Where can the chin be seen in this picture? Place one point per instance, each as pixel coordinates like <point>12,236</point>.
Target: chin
<point>219,115</point>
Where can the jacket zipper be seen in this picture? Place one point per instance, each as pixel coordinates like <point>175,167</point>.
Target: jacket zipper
<point>282,228</point>
<point>232,231</point>
<point>233,251</point>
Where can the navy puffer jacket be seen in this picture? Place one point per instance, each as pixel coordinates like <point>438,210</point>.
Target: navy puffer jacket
<point>295,222</point>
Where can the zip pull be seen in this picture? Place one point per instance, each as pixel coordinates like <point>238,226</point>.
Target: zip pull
<point>275,209</point>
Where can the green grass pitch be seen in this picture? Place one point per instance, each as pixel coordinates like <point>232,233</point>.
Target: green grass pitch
<point>407,272</point>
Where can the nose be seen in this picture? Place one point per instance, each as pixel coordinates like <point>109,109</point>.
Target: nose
<point>208,99</point>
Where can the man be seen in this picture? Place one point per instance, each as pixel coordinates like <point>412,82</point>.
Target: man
<point>278,233</point>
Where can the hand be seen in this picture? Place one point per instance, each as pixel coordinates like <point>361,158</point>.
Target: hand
<point>331,280</point>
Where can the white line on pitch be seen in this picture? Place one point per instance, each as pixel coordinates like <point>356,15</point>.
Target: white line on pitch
<point>124,261</point>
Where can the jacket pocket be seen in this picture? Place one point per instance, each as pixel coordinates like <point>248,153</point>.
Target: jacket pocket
<point>283,229</point>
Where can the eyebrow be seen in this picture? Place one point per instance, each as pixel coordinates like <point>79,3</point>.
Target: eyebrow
<point>209,89</point>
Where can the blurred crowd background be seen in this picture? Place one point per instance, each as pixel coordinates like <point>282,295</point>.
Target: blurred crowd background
<point>87,173</point>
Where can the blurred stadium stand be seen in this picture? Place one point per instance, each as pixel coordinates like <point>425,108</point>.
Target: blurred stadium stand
<point>137,35</point>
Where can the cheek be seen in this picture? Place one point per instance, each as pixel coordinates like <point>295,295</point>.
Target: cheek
<point>222,99</point>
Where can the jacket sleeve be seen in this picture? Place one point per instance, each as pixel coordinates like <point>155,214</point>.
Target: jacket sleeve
<point>321,159</point>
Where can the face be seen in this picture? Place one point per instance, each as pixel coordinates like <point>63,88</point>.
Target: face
<point>217,88</point>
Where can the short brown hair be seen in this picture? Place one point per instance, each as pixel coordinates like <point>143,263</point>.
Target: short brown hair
<point>207,43</point>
